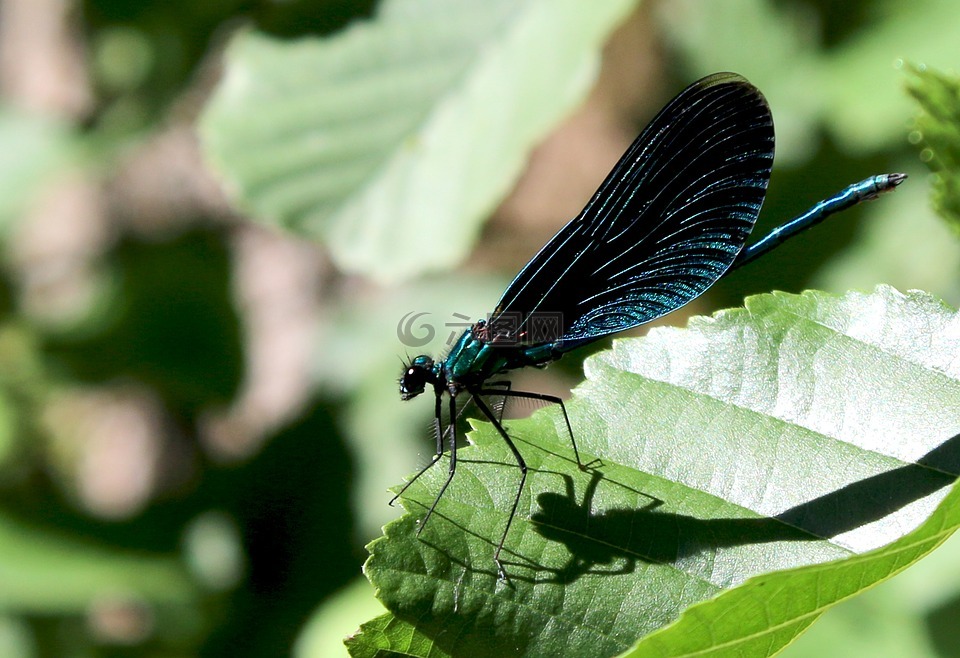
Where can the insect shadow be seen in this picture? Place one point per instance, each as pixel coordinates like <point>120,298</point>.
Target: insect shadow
<point>612,542</point>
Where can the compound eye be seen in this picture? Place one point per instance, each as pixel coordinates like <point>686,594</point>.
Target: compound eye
<point>412,382</point>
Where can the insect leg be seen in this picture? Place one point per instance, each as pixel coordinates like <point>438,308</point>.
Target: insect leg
<point>437,428</point>
<point>523,477</point>
<point>507,386</point>
<point>452,431</point>
<point>546,398</point>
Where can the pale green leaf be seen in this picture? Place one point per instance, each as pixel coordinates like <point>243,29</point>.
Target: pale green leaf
<point>393,139</point>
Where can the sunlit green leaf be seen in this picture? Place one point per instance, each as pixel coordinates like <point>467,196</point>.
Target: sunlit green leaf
<point>815,434</point>
<point>387,635</point>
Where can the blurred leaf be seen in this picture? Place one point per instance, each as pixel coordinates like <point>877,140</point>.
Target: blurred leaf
<point>903,243</point>
<point>728,36</point>
<point>373,330</point>
<point>15,639</point>
<point>24,387</point>
<point>8,424</point>
<point>859,83</point>
<point>171,323</point>
<point>394,139</point>
<point>865,626</point>
<point>291,504</point>
<point>938,131</point>
<point>714,37</point>
<point>44,572</point>
<point>851,89</point>
<point>335,619</point>
<point>167,40</point>
<point>803,431</point>
<point>34,149</point>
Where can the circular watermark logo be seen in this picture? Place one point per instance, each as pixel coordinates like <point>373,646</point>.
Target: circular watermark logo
<point>413,335</point>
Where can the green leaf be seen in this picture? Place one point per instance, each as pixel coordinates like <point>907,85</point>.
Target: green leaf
<point>815,434</point>
<point>912,615</point>
<point>393,139</point>
<point>44,572</point>
<point>388,636</point>
<point>937,130</point>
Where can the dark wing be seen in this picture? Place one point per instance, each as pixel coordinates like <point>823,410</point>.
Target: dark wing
<point>667,222</point>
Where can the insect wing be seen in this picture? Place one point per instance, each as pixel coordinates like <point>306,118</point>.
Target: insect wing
<point>667,222</point>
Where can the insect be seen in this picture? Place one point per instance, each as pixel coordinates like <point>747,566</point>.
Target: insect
<point>671,218</point>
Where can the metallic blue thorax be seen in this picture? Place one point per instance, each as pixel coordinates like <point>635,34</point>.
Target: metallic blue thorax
<point>473,360</point>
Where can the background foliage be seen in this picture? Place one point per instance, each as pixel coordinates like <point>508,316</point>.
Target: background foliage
<point>198,415</point>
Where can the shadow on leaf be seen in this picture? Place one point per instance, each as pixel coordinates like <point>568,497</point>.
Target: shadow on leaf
<point>613,541</point>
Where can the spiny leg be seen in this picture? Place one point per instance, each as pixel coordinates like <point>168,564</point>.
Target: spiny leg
<point>438,431</point>
<point>546,398</point>
<point>523,477</point>
<point>507,385</point>
<point>453,462</point>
